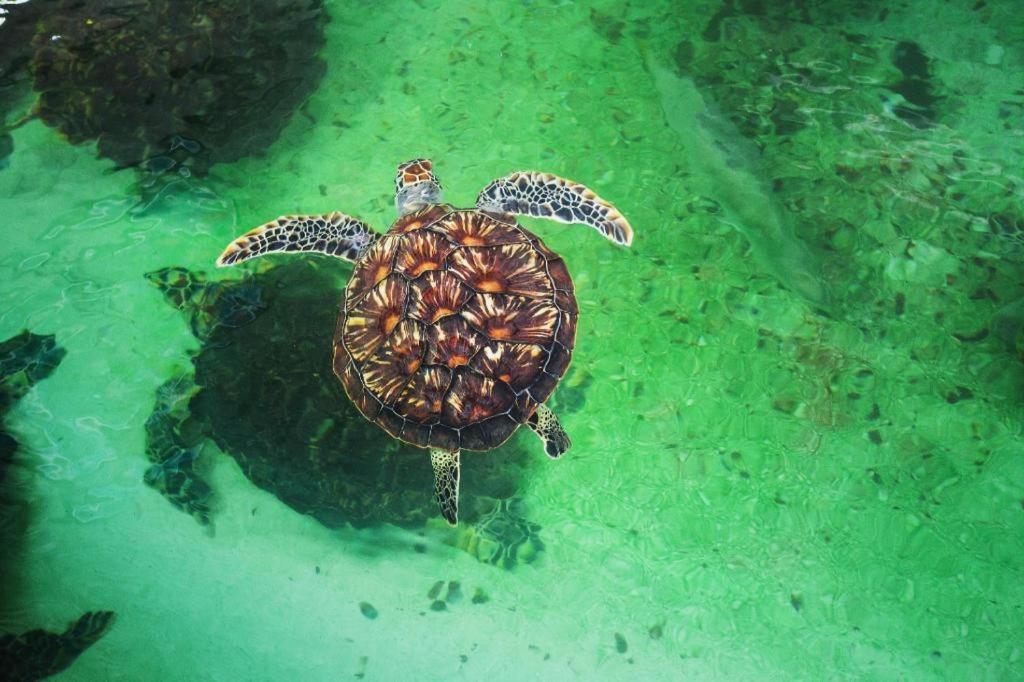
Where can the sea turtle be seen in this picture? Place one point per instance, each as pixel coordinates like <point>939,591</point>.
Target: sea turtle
<point>458,323</point>
<point>258,392</point>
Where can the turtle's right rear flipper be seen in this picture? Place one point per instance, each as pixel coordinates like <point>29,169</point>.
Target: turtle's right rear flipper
<point>446,482</point>
<point>37,654</point>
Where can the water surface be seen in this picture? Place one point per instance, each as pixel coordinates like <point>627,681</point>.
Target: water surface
<point>795,402</point>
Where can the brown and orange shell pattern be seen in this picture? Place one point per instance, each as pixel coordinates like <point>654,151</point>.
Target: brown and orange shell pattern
<point>455,326</point>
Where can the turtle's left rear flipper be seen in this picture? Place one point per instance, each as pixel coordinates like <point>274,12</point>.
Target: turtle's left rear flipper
<point>548,196</point>
<point>37,654</point>
<point>446,482</point>
<point>334,234</point>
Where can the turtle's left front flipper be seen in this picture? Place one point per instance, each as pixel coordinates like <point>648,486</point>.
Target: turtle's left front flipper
<point>548,196</point>
<point>334,234</point>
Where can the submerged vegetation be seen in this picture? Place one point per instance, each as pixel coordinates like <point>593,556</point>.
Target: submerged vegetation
<point>166,85</point>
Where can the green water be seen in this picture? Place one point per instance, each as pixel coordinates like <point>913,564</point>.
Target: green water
<point>795,402</point>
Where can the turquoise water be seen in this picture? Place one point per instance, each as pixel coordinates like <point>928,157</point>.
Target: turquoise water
<point>795,401</point>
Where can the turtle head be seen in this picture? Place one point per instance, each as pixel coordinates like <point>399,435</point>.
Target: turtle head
<point>416,186</point>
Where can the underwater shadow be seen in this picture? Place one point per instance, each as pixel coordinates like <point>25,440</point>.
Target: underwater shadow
<point>26,359</point>
<point>264,391</point>
<point>167,86</point>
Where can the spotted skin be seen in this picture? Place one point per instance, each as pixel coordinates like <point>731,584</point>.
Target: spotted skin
<point>334,234</point>
<point>416,186</point>
<point>548,196</point>
<point>446,482</point>
<point>411,172</point>
<point>547,427</point>
<point>457,324</point>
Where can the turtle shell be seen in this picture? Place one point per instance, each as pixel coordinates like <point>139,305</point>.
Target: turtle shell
<point>455,326</point>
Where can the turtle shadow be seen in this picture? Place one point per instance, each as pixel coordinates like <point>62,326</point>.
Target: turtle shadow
<point>239,72</point>
<point>263,389</point>
<point>26,359</point>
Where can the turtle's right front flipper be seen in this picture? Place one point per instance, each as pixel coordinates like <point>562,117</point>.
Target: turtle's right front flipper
<point>334,234</point>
